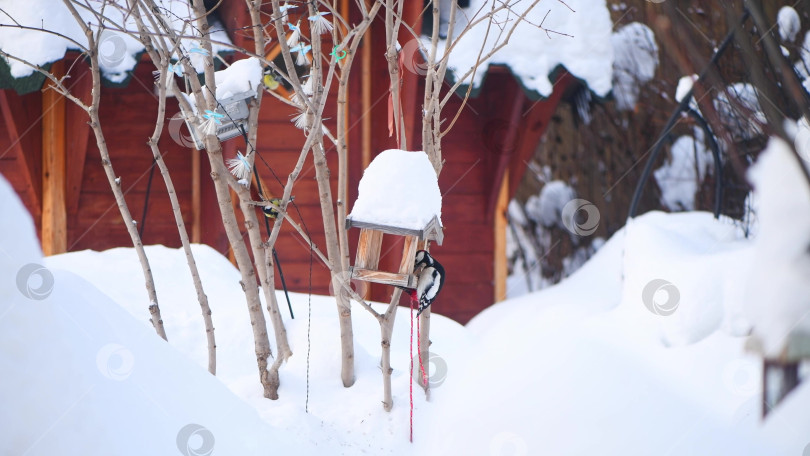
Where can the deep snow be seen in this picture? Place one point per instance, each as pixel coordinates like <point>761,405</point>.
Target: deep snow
<point>583,367</point>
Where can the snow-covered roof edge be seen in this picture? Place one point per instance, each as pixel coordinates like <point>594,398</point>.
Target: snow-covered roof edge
<point>119,52</point>
<point>533,95</point>
<point>576,41</point>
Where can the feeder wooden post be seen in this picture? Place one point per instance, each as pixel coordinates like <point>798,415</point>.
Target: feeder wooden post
<point>365,269</point>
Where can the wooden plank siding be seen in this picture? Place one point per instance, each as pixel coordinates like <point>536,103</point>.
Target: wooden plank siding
<point>128,118</point>
<point>20,148</point>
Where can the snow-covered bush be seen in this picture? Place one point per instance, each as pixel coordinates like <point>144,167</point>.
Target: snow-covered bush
<point>635,61</point>
<point>680,177</point>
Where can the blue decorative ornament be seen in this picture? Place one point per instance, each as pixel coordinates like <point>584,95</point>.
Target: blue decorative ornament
<point>215,116</point>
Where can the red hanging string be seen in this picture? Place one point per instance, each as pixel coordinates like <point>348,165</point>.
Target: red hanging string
<point>411,352</point>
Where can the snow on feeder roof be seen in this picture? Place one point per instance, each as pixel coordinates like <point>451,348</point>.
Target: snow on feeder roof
<point>399,194</point>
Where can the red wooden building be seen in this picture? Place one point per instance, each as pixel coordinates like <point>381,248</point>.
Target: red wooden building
<point>49,155</point>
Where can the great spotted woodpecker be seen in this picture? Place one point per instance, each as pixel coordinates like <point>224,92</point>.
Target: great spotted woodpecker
<point>430,281</point>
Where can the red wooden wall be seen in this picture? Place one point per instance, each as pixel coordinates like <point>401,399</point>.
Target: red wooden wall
<point>20,134</point>
<point>493,137</point>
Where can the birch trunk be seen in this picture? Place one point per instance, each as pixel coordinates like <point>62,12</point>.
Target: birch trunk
<point>328,215</point>
<point>181,225</point>
<point>386,329</point>
<point>159,55</point>
<point>424,352</point>
<point>261,342</point>
<point>109,172</point>
<point>332,251</point>
<point>262,250</point>
<point>219,175</point>
<point>265,270</point>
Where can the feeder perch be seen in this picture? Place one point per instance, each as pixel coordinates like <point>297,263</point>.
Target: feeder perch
<point>780,373</point>
<point>398,195</point>
<point>235,111</point>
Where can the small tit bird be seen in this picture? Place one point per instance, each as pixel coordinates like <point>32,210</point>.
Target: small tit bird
<point>270,211</point>
<point>269,79</point>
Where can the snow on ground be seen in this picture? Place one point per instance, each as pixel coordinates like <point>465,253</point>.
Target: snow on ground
<point>340,420</point>
<point>639,352</point>
<point>585,367</point>
<point>533,53</point>
<point>117,50</point>
<point>399,188</point>
<point>80,376</point>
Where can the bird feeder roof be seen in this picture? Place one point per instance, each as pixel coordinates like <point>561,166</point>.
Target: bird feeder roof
<point>399,194</point>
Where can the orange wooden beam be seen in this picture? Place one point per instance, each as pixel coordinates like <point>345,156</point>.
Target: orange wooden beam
<point>54,217</point>
<point>501,268</point>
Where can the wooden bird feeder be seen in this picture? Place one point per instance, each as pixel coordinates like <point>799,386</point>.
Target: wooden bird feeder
<point>235,111</point>
<point>398,195</point>
<point>368,251</point>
